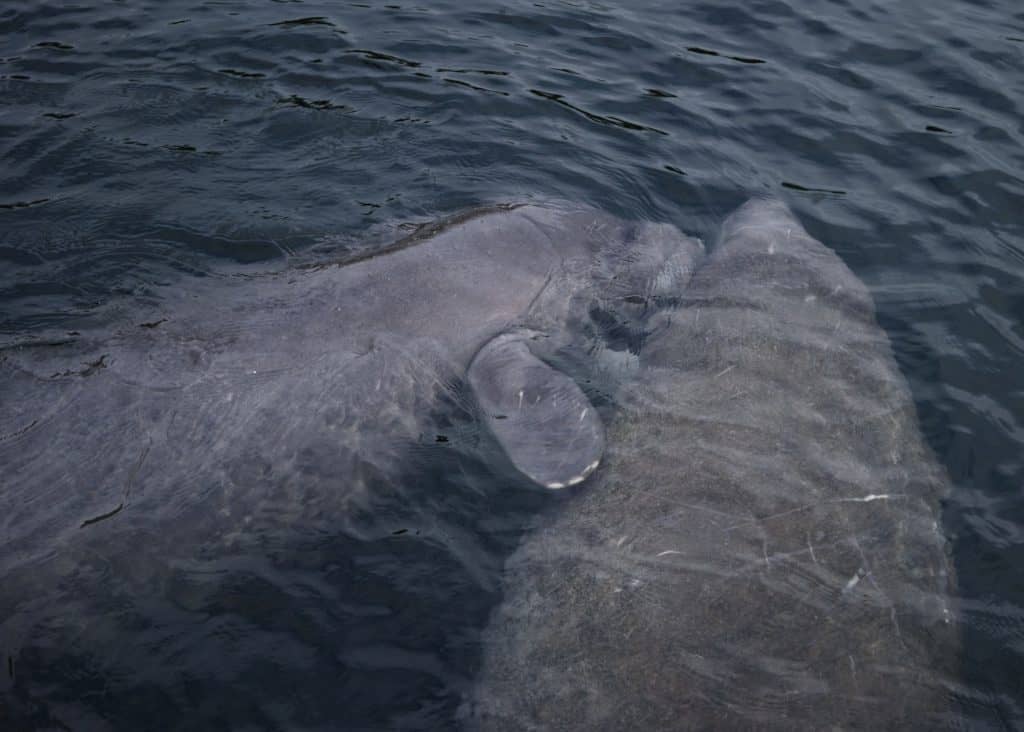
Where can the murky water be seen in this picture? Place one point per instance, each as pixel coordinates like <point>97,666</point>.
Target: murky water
<point>147,144</point>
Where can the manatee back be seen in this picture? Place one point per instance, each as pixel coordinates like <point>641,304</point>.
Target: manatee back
<point>759,549</point>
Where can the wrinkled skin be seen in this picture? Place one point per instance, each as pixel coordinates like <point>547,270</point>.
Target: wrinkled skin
<point>759,548</point>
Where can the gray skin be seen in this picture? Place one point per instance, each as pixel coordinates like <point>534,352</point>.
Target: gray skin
<point>236,417</point>
<point>759,548</point>
<point>286,393</point>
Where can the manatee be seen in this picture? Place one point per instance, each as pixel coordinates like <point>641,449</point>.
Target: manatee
<point>177,444</point>
<point>759,548</point>
<point>333,365</point>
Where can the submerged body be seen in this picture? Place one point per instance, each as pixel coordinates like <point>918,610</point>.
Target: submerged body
<point>759,548</point>
<point>158,470</point>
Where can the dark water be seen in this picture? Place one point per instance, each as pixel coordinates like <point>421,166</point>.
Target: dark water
<point>148,143</point>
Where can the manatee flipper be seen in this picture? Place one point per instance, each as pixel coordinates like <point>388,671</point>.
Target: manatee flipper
<point>543,421</point>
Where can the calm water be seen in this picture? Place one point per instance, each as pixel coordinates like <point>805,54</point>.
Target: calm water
<point>146,143</point>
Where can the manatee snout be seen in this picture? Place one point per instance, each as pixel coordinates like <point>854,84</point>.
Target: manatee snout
<point>657,264</point>
<point>647,280</point>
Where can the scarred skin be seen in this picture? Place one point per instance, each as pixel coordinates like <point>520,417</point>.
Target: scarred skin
<point>759,548</point>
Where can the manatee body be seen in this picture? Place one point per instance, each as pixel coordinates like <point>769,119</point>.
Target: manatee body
<point>759,547</point>
<point>313,378</point>
<point>157,458</point>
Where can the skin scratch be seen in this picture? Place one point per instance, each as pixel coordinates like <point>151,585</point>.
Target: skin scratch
<point>873,497</point>
<point>853,581</point>
<point>855,499</point>
<point>871,579</point>
<point>866,568</point>
<point>810,548</point>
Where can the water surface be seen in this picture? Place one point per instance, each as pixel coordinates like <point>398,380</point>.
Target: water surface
<point>168,143</point>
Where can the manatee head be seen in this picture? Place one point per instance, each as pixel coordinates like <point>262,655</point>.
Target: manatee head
<point>646,274</point>
<point>544,422</point>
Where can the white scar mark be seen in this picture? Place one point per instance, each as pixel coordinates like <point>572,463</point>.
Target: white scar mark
<point>520,399</point>
<point>866,571</point>
<point>853,580</point>
<point>667,552</point>
<point>724,371</point>
<point>854,499</point>
<point>874,497</point>
<point>810,548</point>
<point>583,414</point>
<point>622,540</point>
